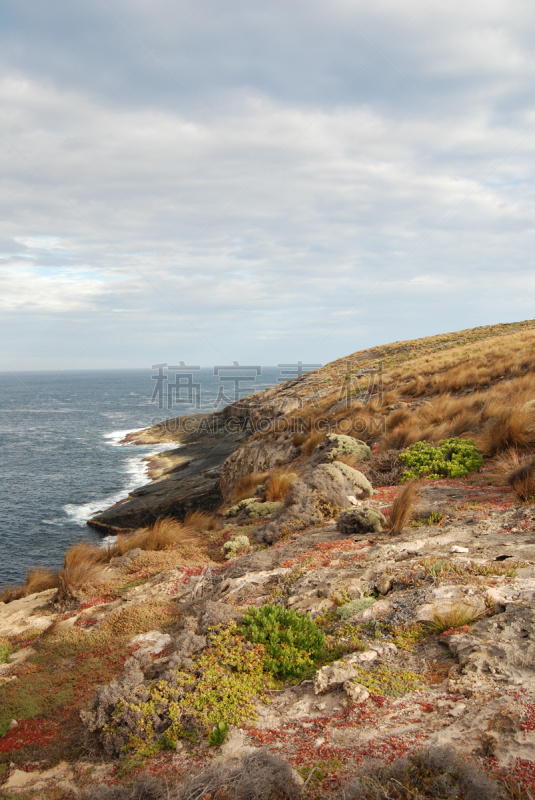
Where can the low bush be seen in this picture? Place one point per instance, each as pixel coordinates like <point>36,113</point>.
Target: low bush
<point>222,686</point>
<point>233,547</point>
<point>292,641</point>
<point>434,774</point>
<point>383,681</point>
<point>349,610</point>
<point>259,775</point>
<point>451,458</point>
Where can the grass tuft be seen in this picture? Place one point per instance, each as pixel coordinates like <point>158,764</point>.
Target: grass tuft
<point>246,487</point>
<point>403,507</point>
<point>278,484</point>
<point>458,616</point>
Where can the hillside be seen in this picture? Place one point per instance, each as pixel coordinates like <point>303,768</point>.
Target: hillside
<point>286,613</point>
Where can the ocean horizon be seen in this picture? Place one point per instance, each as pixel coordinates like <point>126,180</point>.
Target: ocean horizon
<point>62,457</point>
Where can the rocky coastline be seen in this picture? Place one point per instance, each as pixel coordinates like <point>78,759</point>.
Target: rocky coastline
<point>413,600</point>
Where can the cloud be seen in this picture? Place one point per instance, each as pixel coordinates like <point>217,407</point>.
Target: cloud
<point>319,175</point>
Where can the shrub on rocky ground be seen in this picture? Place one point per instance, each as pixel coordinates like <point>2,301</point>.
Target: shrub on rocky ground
<point>435,774</point>
<point>292,641</point>
<point>259,775</point>
<point>451,458</point>
<point>384,469</point>
<point>138,717</point>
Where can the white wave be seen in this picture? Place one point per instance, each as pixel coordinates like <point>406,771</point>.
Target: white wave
<point>135,468</point>
<point>116,437</point>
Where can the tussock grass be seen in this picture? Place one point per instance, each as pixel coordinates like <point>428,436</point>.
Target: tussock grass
<point>202,521</point>
<point>511,428</point>
<point>38,579</point>
<point>403,507</point>
<point>166,532</point>
<point>246,487</point>
<point>278,484</point>
<point>82,567</point>
<point>458,616</point>
<point>312,441</point>
<point>521,479</point>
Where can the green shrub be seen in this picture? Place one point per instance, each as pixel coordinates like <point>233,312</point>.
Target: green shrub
<point>221,689</point>
<point>354,606</point>
<point>219,734</point>
<point>451,458</point>
<point>390,682</point>
<point>292,641</point>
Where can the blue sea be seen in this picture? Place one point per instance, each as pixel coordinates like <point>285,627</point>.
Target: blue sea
<point>61,454</point>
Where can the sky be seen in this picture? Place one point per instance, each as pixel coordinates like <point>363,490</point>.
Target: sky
<point>236,180</point>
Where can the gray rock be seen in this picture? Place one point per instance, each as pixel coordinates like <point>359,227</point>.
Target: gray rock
<point>360,521</point>
<point>356,692</point>
<point>384,583</point>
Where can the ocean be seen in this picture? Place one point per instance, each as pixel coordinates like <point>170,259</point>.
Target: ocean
<point>61,457</point>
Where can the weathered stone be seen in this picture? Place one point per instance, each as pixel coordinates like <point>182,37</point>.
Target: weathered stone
<point>356,692</point>
<point>333,675</point>
<point>152,642</point>
<point>384,583</point>
<point>360,521</point>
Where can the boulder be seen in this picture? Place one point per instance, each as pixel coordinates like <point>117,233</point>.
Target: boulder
<point>360,521</point>
<point>356,692</point>
<point>338,444</point>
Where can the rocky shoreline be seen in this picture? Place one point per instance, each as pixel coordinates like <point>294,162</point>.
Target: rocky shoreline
<point>412,603</point>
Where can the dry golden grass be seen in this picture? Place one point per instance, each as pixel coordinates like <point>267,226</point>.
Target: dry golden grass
<point>10,593</point>
<point>299,438</point>
<point>39,579</point>
<point>511,428</point>
<point>312,441</point>
<point>154,562</point>
<point>202,521</point>
<point>521,479</point>
<point>278,483</point>
<point>82,567</point>
<point>166,532</point>
<point>403,507</point>
<point>246,487</point>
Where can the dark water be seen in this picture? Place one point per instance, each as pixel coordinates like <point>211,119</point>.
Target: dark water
<point>61,461</point>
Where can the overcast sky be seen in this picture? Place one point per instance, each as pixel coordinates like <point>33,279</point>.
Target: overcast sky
<point>261,182</point>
